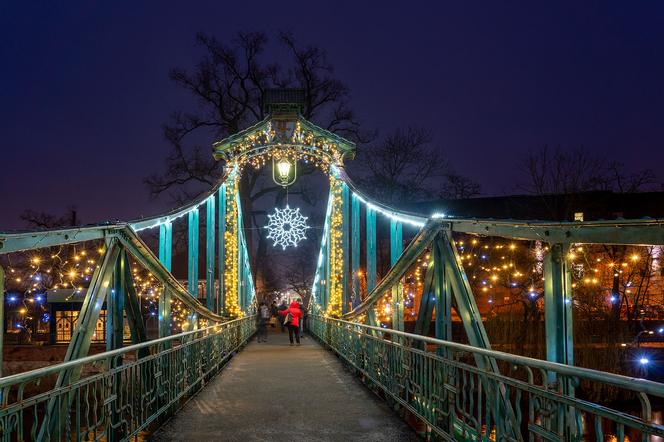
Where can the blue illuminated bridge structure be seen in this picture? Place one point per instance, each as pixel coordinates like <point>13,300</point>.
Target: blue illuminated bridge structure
<point>359,375</point>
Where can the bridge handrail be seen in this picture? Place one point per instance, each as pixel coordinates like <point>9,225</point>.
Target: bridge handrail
<point>27,376</point>
<point>444,384</point>
<point>631,383</point>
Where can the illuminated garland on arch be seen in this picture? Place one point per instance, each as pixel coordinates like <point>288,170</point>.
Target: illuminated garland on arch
<point>336,249</point>
<point>231,306</point>
<point>257,148</point>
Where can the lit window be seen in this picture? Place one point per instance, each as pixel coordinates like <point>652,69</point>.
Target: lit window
<point>578,216</point>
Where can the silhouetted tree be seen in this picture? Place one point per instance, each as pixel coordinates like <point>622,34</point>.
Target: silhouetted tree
<point>406,165</point>
<point>228,84</point>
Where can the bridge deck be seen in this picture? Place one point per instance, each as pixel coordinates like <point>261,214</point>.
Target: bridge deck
<point>274,392</point>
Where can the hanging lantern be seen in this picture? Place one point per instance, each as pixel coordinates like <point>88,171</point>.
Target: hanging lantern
<point>284,170</point>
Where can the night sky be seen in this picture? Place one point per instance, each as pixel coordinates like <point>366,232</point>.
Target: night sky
<point>84,86</point>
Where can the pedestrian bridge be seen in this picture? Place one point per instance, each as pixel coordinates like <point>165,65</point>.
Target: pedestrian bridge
<point>359,375</point>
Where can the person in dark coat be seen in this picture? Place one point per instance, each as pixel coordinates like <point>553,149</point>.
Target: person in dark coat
<point>263,320</point>
<point>282,307</point>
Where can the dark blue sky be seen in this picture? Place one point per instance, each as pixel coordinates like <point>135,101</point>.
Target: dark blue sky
<point>84,86</point>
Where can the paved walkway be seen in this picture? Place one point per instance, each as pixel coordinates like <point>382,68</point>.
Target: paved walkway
<point>274,392</point>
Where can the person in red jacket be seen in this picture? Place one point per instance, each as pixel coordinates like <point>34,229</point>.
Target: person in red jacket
<point>294,324</point>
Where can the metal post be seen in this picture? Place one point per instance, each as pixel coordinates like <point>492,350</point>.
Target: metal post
<point>345,244</point>
<point>115,306</point>
<point>326,286</point>
<point>355,259</point>
<point>371,249</point>
<point>2,319</point>
<point>165,313</point>
<point>222,248</point>
<point>240,251</point>
<point>558,326</point>
<point>442,295</point>
<point>396,247</point>
<point>558,306</point>
<point>114,335</point>
<point>192,261</point>
<point>166,244</point>
<point>209,253</point>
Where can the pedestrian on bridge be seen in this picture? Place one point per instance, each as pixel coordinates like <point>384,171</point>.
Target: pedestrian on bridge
<point>282,308</point>
<point>263,320</point>
<point>293,316</point>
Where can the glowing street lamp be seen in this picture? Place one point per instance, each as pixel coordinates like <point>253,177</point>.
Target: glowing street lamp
<point>284,171</point>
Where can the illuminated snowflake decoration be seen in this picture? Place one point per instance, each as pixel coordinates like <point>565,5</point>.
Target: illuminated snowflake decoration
<point>286,227</point>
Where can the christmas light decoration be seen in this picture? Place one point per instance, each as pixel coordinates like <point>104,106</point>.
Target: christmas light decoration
<point>287,227</point>
<point>231,266</point>
<point>336,248</point>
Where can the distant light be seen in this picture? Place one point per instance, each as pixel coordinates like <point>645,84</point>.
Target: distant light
<point>568,301</point>
<point>613,298</point>
<point>644,361</point>
<point>39,298</point>
<point>661,330</point>
<point>533,294</point>
<point>12,298</point>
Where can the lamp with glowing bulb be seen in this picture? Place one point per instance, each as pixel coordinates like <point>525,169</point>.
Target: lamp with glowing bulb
<point>284,170</point>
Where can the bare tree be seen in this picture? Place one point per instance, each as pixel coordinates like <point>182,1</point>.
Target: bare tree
<point>227,85</point>
<point>49,221</point>
<point>570,172</point>
<point>406,165</point>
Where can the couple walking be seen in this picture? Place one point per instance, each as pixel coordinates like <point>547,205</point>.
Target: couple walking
<point>292,319</point>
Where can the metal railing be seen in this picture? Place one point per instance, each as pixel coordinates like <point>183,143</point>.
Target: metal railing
<point>441,383</point>
<point>120,392</point>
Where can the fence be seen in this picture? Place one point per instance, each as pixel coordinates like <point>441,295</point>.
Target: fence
<point>117,394</point>
<point>448,386</point>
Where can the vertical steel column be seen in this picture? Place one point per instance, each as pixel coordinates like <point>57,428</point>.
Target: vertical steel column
<point>165,254</point>
<point>371,249</point>
<point>114,337</point>
<point>396,247</point>
<point>115,306</point>
<point>166,244</point>
<point>558,306</point>
<point>328,274</point>
<point>559,330</point>
<point>165,313</point>
<point>221,302</point>
<point>240,254</point>
<point>193,253</point>
<point>345,244</point>
<point>210,216</point>
<point>355,259</point>
<point>442,293</point>
<point>2,319</point>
